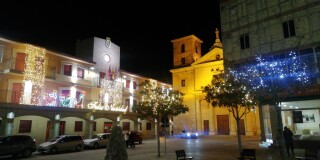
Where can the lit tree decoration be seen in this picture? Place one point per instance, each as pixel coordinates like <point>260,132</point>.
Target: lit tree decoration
<point>227,92</point>
<point>272,79</point>
<point>113,89</point>
<point>34,75</point>
<point>157,102</point>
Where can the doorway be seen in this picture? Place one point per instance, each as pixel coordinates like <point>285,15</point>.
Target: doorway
<point>223,124</point>
<point>206,127</point>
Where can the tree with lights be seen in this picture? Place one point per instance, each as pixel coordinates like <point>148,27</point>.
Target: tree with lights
<point>273,78</point>
<point>157,103</point>
<point>228,92</point>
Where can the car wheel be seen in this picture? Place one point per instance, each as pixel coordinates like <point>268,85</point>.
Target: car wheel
<point>78,148</point>
<point>27,153</point>
<point>95,146</point>
<point>53,150</point>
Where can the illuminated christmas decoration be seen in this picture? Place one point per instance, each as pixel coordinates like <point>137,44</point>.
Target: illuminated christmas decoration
<point>50,99</point>
<point>64,100</point>
<point>268,70</point>
<point>34,75</point>
<point>99,106</point>
<point>110,97</point>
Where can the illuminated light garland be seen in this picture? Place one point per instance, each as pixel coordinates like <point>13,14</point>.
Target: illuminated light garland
<point>266,70</point>
<point>34,72</point>
<point>113,90</point>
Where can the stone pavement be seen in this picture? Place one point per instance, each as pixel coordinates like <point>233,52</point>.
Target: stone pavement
<point>213,147</point>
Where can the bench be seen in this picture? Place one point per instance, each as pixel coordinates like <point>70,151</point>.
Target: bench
<point>181,155</point>
<point>248,154</point>
<point>310,154</point>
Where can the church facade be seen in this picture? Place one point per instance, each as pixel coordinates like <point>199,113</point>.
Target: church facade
<point>193,70</point>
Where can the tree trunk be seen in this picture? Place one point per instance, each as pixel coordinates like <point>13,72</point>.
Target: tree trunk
<point>158,136</point>
<point>239,136</point>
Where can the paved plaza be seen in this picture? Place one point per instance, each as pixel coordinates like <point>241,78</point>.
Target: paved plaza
<point>215,147</point>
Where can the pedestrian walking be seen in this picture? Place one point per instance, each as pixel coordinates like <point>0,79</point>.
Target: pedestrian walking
<point>288,138</point>
<point>126,138</point>
<point>131,139</point>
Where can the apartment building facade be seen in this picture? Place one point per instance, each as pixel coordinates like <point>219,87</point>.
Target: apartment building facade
<point>45,93</point>
<point>275,30</point>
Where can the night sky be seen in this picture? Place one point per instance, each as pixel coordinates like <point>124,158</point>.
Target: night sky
<point>143,31</point>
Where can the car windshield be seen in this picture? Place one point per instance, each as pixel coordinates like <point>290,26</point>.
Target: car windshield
<point>95,136</point>
<point>55,139</point>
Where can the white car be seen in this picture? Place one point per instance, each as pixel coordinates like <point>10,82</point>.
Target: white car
<point>189,134</point>
<point>97,141</point>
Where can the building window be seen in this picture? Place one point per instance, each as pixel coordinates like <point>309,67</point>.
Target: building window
<point>102,75</point>
<point>80,72</point>
<point>94,126</point>
<point>135,85</point>
<point>1,53</point>
<point>127,83</point>
<point>288,29</point>
<point>135,102</point>
<point>183,61</point>
<point>127,102</point>
<point>78,126</point>
<point>67,69</point>
<point>126,126</point>
<point>183,83</point>
<point>148,126</point>
<point>182,48</point>
<point>244,41</point>
<point>25,126</point>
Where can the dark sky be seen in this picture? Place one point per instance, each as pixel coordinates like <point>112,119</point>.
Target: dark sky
<point>143,31</point>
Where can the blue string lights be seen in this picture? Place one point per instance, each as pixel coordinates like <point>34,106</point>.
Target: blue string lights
<point>267,71</point>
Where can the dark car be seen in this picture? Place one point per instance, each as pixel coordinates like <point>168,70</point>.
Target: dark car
<point>138,137</point>
<point>17,145</point>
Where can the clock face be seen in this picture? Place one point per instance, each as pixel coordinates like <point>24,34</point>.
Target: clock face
<point>107,58</point>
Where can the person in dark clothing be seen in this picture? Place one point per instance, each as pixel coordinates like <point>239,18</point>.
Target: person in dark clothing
<point>288,138</point>
<point>131,139</point>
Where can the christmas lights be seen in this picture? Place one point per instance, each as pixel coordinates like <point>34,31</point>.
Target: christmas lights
<point>265,71</point>
<point>34,72</point>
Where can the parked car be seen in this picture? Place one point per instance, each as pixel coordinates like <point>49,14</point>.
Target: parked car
<point>98,140</point>
<point>62,143</point>
<point>17,145</point>
<point>138,137</point>
<point>189,134</point>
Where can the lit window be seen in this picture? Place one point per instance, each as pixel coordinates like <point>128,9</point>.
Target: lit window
<point>288,29</point>
<point>127,83</point>
<point>67,69</point>
<point>80,72</point>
